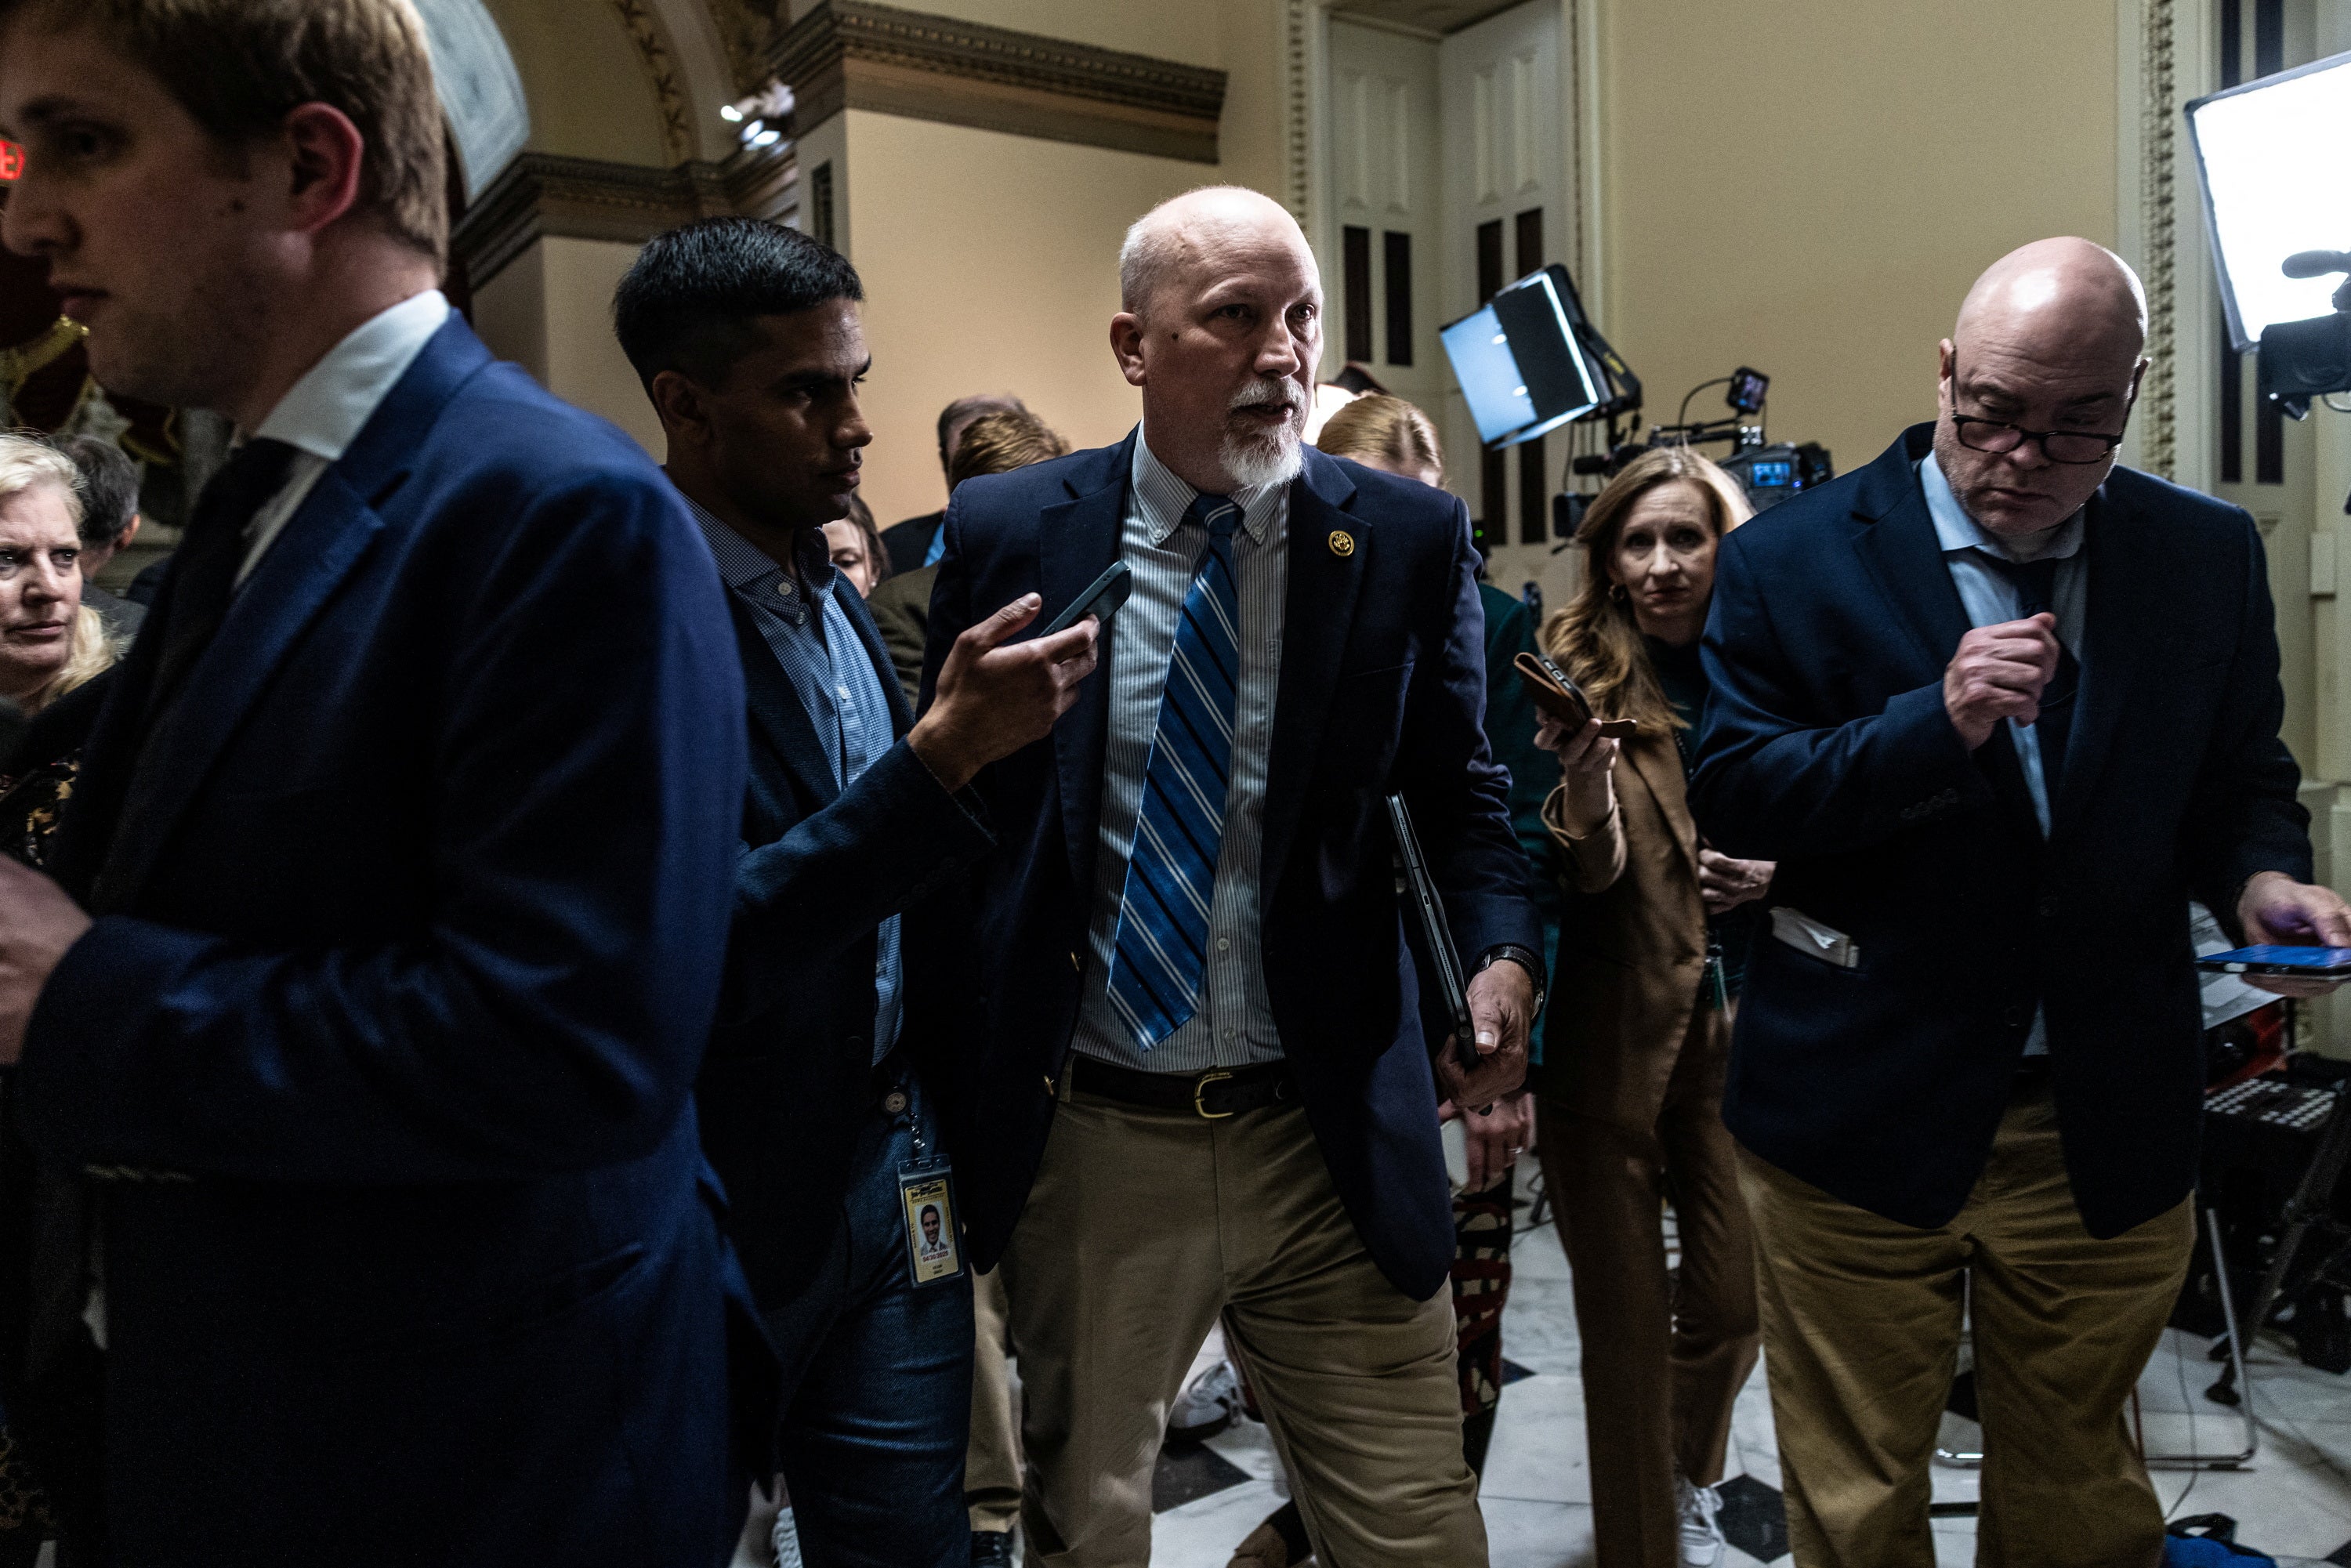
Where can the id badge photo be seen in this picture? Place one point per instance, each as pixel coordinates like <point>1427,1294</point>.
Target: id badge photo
<point>934,1247</point>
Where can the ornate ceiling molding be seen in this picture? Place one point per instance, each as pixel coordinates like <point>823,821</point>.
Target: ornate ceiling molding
<point>851,54</point>
<point>587,198</point>
<point>661,70</point>
<point>743,31</point>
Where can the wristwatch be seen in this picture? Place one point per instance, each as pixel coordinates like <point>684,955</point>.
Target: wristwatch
<point>1526,959</point>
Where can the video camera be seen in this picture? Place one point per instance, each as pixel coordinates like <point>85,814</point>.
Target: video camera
<point>1530,361</point>
<point>2310,358</point>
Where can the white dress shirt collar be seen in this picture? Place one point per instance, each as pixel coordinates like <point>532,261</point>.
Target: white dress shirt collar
<point>1955,530</point>
<point>1166,497</point>
<point>323,412</point>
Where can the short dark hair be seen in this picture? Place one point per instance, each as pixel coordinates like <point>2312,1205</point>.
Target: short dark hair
<point>689,301</point>
<point>110,487</point>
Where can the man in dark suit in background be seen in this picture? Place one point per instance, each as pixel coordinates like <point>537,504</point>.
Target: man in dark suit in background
<point>916,543</point>
<point>109,521</point>
<point>817,1096</point>
<point>1999,709</point>
<point>358,1040</point>
<point>1191,930</point>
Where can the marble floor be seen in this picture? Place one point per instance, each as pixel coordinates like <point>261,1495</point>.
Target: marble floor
<point>2292,1500</point>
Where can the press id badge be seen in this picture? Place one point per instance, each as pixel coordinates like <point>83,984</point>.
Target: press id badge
<point>934,1252</point>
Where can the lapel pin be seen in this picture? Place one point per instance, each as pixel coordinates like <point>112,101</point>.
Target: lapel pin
<point>1343,543</point>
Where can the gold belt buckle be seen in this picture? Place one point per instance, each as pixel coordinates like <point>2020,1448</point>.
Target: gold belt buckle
<point>1199,1087</point>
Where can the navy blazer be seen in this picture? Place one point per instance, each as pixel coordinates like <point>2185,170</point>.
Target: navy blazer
<point>789,1078</point>
<point>410,1255</point>
<point>1382,688</point>
<point>1826,747</point>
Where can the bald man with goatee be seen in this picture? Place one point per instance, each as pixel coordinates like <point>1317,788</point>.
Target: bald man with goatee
<point>1201,1085</point>
<point>2000,708</point>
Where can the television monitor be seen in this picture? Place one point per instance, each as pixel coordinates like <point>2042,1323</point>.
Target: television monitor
<point>1522,364</point>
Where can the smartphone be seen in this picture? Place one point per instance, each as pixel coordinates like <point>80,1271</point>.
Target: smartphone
<point>1556,694</point>
<point>2305,963</point>
<point>1100,600</point>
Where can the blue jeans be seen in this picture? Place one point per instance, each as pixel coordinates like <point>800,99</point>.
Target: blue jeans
<point>877,1372</point>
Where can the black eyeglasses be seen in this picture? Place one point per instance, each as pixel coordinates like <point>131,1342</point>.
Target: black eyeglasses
<point>1997,436</point>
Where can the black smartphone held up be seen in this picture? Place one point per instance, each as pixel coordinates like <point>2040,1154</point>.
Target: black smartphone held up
<point>1437,932</point>
<point>1100,601</point>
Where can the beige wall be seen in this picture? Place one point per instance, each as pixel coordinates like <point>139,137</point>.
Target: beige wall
<point>1809,190</point>
<point>549,311</point>
<point>990,265</point>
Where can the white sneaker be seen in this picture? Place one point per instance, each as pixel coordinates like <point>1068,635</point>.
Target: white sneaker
<point>1208,1404</point>
<point>1702,1541</point>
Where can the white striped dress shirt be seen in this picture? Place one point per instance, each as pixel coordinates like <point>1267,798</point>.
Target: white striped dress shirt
<point>1234,1026</point>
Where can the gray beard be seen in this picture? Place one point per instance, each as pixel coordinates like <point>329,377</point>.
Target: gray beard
<point>1254,463</point>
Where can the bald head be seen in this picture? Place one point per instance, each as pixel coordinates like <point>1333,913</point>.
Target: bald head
<point>2038,379</point>
<point>2062,298</point>
<point>1221,327</point>
<point>1192,230</point>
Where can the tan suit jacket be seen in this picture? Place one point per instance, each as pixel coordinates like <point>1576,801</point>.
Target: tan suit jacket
<point>1632,944</point>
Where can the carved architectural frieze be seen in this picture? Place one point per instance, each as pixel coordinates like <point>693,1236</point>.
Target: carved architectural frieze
<point>587,198</point>
<point>851,54</point>
<point>661,70</point>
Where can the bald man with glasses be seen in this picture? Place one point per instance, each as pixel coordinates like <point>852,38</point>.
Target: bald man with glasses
<point>1999,709</point>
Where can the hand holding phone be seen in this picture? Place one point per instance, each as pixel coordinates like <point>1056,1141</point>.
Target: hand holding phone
<point>1558,695</point>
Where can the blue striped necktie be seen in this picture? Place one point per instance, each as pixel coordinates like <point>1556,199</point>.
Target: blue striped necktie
<point>1171,873</point>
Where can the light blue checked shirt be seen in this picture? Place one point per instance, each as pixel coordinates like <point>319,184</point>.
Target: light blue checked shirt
<point>1234,1026</point>
<point>1990,600</point>
<point>835,680</point>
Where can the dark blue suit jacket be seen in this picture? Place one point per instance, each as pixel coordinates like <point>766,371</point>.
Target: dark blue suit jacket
<point>789,1078</point>
<point>1827,748</point>
<point>410,1254</point>
<point>1382,688</point>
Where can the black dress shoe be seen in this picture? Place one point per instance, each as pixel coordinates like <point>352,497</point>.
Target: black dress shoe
<point>991,1548</point>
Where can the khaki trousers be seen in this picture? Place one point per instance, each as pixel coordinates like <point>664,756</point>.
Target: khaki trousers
<point>1143,1226</point>
<point>991,1479</point>
<point>1861,1331</point>
<point>1664,1358</point>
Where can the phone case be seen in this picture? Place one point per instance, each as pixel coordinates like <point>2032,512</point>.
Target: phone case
<point>1561,697</point>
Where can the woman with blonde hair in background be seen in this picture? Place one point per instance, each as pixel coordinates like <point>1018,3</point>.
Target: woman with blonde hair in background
<point>51,649</point>
<point>1651,952</point>
<point>51,644</point>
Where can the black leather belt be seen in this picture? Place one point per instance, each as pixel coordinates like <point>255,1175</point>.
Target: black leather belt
<point>1212,1095</point>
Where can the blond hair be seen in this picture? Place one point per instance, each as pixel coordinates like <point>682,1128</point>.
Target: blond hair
<point>89,655</point>
<point>999,443</point>
<point>27,460</point>
<point>26,463</point>
<point>1594,635</point>
<point>240,66</point>
<point>1385,427</point>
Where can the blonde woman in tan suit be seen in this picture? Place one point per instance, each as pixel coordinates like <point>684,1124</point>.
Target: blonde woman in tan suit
<point>1629,1093</point>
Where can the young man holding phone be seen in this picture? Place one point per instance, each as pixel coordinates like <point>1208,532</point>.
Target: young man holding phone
<point>819,1095</point>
